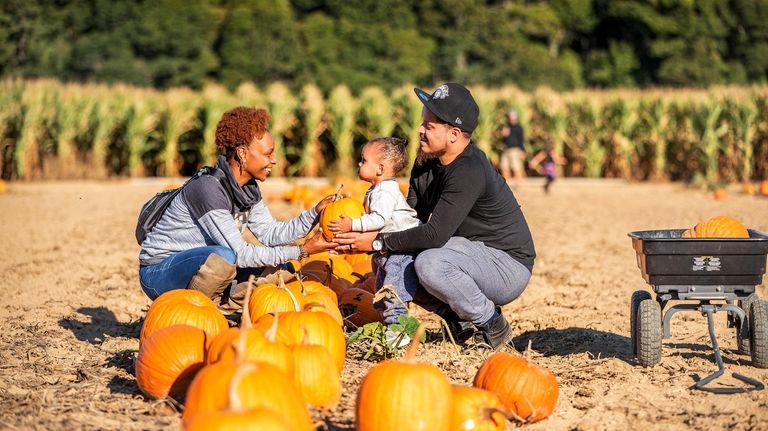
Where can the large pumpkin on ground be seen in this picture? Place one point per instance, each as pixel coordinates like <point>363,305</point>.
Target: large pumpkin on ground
<point>475,409</point>
<point>526,389</point>
<point>169,359</point>
<point>183,307</point>
<point>404,395</point>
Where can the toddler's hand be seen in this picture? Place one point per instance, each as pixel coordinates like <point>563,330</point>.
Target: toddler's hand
<point>341,224</point>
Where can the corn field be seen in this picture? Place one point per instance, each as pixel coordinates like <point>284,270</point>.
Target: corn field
<point>52,130</point>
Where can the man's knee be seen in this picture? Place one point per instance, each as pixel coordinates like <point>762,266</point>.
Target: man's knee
<point>430,266</point>
<point>226,253</point>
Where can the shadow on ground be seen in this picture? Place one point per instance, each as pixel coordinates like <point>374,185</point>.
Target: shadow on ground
<point>568,341</point>
<point>103,324</point>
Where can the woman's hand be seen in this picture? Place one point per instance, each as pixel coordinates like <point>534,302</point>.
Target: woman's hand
<point>317,243</point>
<point>326,200</point>
<point>354,242</point>
<point>340,225</point>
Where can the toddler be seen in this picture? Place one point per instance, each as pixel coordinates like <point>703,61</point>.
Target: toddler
<point>386,210</point>
<point>548,159</point>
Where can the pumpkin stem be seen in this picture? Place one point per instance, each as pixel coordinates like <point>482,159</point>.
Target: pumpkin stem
<point>281,285</point>
<point>239,346</point>
<point>245,320</point>
<point>337,195</point>
<point>235,403</point>
<point>413,348</point>
<point>271,334</point>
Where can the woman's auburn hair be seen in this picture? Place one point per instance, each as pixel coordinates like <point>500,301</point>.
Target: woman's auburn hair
<point>239,126</point>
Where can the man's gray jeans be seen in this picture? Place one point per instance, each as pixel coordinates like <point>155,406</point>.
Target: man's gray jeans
<point>470,277</point>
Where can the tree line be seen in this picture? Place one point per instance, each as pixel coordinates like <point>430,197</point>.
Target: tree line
<point>563,44</point>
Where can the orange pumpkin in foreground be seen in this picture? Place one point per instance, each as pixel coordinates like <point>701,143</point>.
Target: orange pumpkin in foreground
<point>404,395</point>
<point>185,307</point>
<point>718,227</point>
<point>169,359</point>
<point>526,389</point>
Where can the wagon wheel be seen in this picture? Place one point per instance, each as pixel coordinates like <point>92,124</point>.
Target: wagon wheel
<point>637,297</point>
<point>758,334</point>
<point>742,344</point>
<point>648,333</point>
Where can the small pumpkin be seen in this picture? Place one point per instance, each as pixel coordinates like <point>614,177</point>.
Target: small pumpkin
<point>764,187</point>
<point>720,194</point>
<point>169,359</point>
<point>526,389</point>
<point>718,227</point>
<point>404,395</point>
<point>186,307</point>
<point>476,409</point>
<point>270,298</point>
<point>349,207</point>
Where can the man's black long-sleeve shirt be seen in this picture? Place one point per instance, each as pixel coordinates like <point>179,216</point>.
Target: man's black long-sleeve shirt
<point>466,198</point>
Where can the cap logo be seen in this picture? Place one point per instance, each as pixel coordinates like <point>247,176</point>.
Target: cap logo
<point>441,92</point>
<point>457,120</point>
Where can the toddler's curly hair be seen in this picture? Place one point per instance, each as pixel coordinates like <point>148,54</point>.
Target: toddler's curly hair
<point>394,150</point>
<point>239,126</point>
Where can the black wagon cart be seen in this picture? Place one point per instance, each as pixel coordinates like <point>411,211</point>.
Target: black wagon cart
<point>708,275</point>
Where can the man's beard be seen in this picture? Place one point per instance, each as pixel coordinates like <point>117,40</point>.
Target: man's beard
<point>422,157</point>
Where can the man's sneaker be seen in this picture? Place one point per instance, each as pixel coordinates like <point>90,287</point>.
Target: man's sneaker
<point>461,330</point>
<point>494,334</point>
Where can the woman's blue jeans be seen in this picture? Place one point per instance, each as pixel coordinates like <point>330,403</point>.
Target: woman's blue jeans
<point>176,271</point>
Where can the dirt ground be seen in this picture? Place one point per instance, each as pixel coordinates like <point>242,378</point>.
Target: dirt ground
<point>71,310</point>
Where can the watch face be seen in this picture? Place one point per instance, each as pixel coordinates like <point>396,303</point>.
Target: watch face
<point>376,244</point>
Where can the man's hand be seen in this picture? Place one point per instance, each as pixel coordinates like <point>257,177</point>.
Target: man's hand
<point>317,243</point>
<point>353,242</point>
<point>340,225</point>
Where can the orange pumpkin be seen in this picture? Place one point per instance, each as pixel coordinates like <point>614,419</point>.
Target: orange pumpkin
<point>349,207</point>
<point>254,419</point>
<point>186,307</point>
<point>718,227</point>
<point>404,395</point>
<point>169,359</point>
<point>316,375</point>
<point>748,188</point>
<point>526,389</point>
<point>356,306</point>
<point>476,409</point>
<point>764,187</point>
<point>720,194</point>
<point>235,417</point>
<point>270,298</point>
<point>259,347</point>
<point>260,386</point>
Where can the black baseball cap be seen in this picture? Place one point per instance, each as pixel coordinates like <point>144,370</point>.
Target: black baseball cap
<point>452,103</point>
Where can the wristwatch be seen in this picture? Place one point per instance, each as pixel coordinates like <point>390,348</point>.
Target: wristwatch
<point>377,244</point>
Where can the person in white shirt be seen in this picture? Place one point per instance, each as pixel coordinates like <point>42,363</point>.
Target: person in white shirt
<point>386,210</point>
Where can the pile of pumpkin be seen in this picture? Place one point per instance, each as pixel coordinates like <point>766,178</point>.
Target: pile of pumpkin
<point>267,373</point>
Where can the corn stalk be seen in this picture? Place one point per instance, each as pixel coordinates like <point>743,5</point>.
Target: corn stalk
<point>282,107</point>
<point>408,111</point>
<point>311,153</point>
<point>342,107</point>
<point>618,124</point>
<point>73,111</point>
<point>654,122</point>
<point>746,129</point>
<point>488,120</point>
<point>216,101</point>
<point>38,96</point>
<point>710,130</point>
<point>11,93</point>
<point>378,117</point>
<point>140,120</point>
<point>180,117</point>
